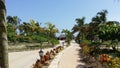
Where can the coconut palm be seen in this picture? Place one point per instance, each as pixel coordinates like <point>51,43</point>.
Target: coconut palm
<point>33,26</point>
<point>85,30</point>
<point>51,29</point>
<point>3,37</point>
<point>14,21</point>
<point>78,27</point>
<point>100,18</point>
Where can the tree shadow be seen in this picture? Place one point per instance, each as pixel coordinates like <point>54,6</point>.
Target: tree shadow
<point>80,60</point>
<point>85,62</point>
<point>80,66</point>
<point>114,53</point>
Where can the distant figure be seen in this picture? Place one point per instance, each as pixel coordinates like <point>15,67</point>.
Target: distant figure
<point>79,41</point>
<point>62,43</point>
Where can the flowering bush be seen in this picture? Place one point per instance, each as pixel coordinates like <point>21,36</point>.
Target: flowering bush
<point>104,58</point>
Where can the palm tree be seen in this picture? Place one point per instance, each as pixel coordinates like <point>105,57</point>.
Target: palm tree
<point>85,30</point>
<point>32,24</point>
<point>51,29</point>
<point>14,21</point>
<point>78,27</point>
<point>102,16</point>
<point>3,37</point>
<point>99,19</point>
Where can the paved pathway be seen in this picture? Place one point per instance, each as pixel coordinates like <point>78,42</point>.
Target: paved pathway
<point>70,57</point>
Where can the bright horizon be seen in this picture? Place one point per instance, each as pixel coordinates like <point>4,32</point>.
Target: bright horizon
<point>62,13</point>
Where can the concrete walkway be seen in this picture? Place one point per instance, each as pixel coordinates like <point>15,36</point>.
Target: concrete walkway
<point>68,58</point>
<point>71,57</point>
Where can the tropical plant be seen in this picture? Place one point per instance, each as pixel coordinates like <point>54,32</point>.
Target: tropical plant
<point>54,41</point>
<point>110,31</point>
<point>12,27</point>
<point>100,18</point>
<point>51,29</point>
<point>114,63</point>
<point>68,34</point>
<point>78,27</point>
<point>11,34</point>
<point>14,21</point>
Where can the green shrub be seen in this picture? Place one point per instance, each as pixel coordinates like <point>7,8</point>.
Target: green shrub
<point>114,63</point>
<point>54,41</point>
<point>86,41</point>
<point>86,50</point>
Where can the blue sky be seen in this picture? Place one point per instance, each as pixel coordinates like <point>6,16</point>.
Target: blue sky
<point>62,13</point>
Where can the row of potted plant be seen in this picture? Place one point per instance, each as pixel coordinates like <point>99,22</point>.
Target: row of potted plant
<point>47,58</point>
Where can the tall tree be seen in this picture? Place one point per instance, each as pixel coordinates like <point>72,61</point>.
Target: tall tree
<point>12,27</point>
<point>14,21</point>
<point>51,29</point>
<point>78,27</point>
<point>3,37</point>
<point>100,18</point>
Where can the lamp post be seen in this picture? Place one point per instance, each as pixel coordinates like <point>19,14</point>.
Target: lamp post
<point>41,53</point>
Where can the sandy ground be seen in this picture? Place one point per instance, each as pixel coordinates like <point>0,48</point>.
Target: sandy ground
<point>24,59</point>
<point>71,57</point>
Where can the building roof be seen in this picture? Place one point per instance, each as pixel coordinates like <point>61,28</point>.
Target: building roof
<point>62,36</point>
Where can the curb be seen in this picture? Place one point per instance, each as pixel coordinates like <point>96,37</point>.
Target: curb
<point>55,62</point>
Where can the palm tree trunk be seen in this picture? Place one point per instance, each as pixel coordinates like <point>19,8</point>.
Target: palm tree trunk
<point>3,37</point>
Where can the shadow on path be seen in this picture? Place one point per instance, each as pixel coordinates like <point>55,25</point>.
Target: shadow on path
<point>85,62</point>
<point>82,63</point>
<point>80,66</point>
